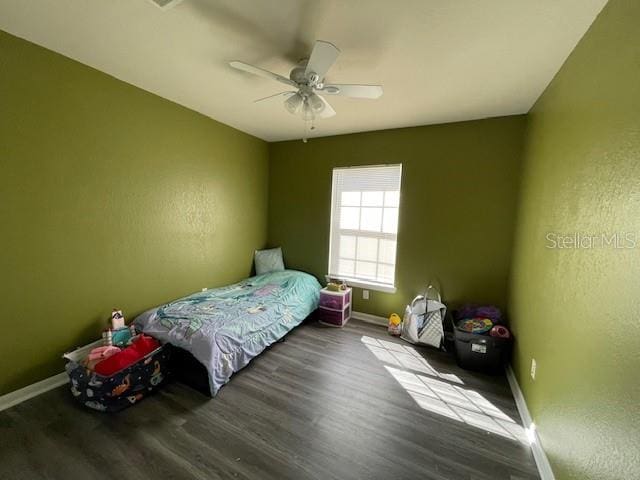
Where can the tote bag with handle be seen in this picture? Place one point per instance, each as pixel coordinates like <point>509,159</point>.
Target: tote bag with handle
<point>423,319</point>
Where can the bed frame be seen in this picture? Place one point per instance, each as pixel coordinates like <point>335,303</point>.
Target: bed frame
<point>188,370</point>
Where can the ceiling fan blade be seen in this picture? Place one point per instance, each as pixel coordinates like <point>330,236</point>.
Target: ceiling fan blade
<point>328,110</point>
<point>324,54</point>
<point>261,72</point>
<point>276,96</point>
<point>355,91</point>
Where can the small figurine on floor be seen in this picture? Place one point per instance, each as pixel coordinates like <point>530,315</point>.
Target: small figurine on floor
<point>395,324</point>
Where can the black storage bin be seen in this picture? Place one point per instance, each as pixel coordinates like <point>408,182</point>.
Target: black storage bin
<point>481,352</point>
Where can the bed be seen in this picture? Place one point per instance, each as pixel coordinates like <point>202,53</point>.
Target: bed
<point>222,329</point>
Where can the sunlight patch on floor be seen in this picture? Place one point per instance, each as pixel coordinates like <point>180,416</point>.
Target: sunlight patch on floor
<point>404,356</point>
<point>458,403</point>
<point>441,393</point>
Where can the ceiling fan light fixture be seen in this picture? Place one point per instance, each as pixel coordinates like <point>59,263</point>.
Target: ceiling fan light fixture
<point>316,103</point>
<point>307,113</point>
<point>293,103</point>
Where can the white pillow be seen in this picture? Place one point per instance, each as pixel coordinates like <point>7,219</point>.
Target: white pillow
<point>268,260</point>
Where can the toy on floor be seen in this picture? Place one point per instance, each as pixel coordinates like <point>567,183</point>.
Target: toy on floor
<point>395,324</point>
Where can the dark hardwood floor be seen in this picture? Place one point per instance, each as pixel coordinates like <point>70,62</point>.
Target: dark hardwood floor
<point>327,403</point>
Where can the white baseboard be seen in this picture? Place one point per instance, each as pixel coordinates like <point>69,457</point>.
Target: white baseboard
<point>367,317</point>
<point>33,390</point>
<point>542,462</point>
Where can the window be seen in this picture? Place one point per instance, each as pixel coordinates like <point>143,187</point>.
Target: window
<point>364,225</point>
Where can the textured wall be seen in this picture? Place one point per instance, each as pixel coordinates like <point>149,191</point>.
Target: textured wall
<point>457,208</point>
<point>576,311</point>
<point>110,197</point>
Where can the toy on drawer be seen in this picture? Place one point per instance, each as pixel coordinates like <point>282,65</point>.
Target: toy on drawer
<point>335,307</point>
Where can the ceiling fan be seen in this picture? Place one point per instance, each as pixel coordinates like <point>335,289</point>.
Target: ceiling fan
<point>307,80</point>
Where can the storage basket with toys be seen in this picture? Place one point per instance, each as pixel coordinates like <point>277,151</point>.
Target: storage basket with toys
<point>482,339</point>
<point>119,370</point>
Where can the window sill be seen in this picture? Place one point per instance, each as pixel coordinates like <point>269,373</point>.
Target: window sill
<point>376,287</point>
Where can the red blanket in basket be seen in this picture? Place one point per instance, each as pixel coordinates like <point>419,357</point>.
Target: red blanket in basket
<point>127,356</point>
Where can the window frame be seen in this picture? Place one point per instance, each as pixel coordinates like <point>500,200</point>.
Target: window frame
<point>334,235</point>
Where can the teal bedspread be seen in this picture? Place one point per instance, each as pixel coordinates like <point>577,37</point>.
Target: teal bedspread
<point>224,328</point>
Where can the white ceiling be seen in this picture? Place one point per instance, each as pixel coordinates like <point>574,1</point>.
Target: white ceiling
<point>438,60</point>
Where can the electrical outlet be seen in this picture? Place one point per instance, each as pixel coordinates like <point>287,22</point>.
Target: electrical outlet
<point>365,294</point>
<point>205,289</point>
<point>534,365</point>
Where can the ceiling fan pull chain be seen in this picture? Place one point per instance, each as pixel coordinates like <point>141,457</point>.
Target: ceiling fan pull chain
<point>308,127</point>
<point>306,132</point>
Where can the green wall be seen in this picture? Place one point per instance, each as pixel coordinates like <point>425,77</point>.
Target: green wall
<point>459,190</point>
<point>576,311</point>
<point>110,197</point>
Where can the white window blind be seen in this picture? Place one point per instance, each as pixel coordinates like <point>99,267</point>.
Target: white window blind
<point>364,224</point>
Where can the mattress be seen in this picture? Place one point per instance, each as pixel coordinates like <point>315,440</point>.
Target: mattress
<point>224,328</point>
